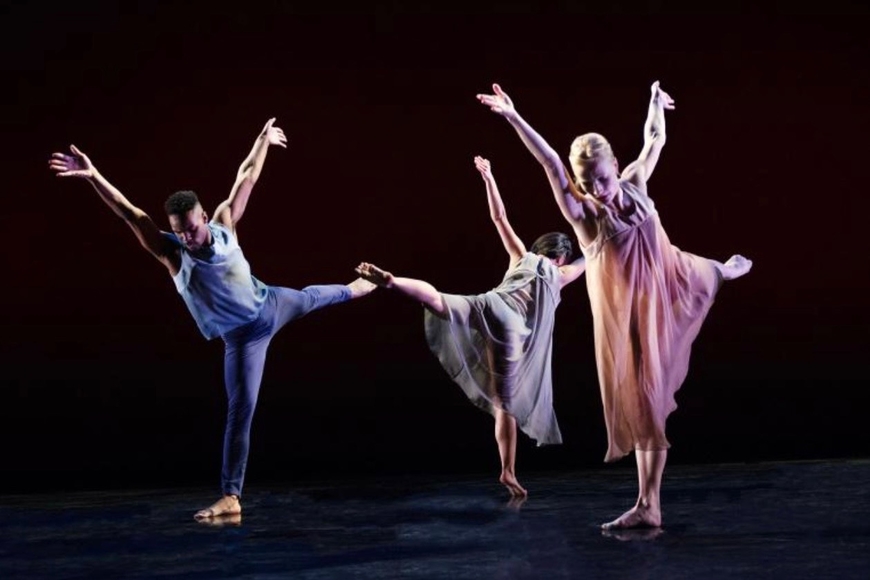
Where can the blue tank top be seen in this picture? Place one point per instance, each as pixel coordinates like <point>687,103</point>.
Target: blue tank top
<point>218,289</point>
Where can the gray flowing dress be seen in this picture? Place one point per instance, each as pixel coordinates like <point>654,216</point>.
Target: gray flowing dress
<point>498,345</point>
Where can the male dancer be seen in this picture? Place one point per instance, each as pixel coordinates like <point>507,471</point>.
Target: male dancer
<point>214,279</point>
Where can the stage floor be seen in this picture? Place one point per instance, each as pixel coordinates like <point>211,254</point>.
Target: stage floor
<point>763,520</point>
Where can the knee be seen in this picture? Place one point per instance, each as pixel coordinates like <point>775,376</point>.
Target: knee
<point>241,412</point>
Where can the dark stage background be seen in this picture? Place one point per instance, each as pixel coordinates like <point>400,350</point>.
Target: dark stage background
<point>106,381</point>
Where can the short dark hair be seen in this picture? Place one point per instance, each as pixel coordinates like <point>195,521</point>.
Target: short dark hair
<point>553,245</point>
<point>180,202</point>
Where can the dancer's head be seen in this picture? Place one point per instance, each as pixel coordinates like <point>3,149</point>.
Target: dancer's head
<point>554,245</point>
<point>595,166</point>
<point>187,219</point>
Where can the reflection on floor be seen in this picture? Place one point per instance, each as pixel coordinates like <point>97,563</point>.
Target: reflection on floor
<point>782,520</point>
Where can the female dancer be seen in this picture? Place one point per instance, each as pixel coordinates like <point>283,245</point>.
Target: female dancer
<point>497,346</point>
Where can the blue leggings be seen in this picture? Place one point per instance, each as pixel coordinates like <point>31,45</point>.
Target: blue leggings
<point>244,358</point>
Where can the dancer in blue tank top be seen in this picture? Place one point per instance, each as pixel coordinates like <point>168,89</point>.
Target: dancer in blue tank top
<point>215,281</point>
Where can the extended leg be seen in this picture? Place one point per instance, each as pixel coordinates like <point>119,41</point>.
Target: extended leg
<point>290,304</point>
<point>416,289</point>
<point>735,267</point>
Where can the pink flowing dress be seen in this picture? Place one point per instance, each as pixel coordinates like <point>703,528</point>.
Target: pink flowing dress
<point>649,300</point>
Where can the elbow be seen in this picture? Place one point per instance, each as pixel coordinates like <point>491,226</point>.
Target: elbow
<point>247,170</point>
<point>245,179</point>
<point>656,136</point>
<point>552,164</point>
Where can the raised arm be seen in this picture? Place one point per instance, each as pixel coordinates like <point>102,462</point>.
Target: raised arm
<point>570,272</point>
<point>509,238</point>
<point>230,211</point>
<point>654,137</point>
<point>570,201</point>
<point>149,235</point>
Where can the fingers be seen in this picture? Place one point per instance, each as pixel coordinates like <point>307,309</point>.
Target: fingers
<point>491,102</point>
<point>59,165</point>
<point>75,150</point>
<point>67,172</point>
<point>664,99</point>
<point>275,135</point>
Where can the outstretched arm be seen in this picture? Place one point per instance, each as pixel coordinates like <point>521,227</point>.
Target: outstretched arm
<point>570,272</point>
<point>654,137</point>
<point>509,238</point>
<point>570,200</point>
<point>149,235</point>
<point>230,211</point>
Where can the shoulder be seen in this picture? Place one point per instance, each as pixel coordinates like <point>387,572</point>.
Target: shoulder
<point>171,240</point>
<point>544,265</point>
<point>221,231</point>
<point>634,173</point>
<point>633,186</point>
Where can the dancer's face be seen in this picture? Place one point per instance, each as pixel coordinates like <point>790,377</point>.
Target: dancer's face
<point>599,178</point>
<point>191,228</point>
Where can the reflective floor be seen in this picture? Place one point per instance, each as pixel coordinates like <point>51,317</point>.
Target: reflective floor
<point>767,520</point>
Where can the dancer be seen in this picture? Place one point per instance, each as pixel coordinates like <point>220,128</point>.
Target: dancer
<point>214,279</point>
<point>497,346</point>
<point>648,298</point>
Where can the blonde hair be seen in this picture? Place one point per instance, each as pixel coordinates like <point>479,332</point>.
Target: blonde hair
<point>586,147</point>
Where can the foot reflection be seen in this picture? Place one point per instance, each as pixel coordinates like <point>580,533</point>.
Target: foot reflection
<point>633,534</point>
<point>516,502</point>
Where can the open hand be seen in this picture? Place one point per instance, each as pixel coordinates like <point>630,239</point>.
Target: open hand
<point>499,102</point>
<point>75,165</point>
<point>275,135</point>
<point>661,98</point>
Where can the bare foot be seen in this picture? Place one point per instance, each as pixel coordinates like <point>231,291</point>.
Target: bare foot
<point>640,516</point>
<point>735,267</point>
<point>227,505</point>
<point>221,521</point>
<point>509,480</point>
<point>360,287</point>
<point>375,275</point>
